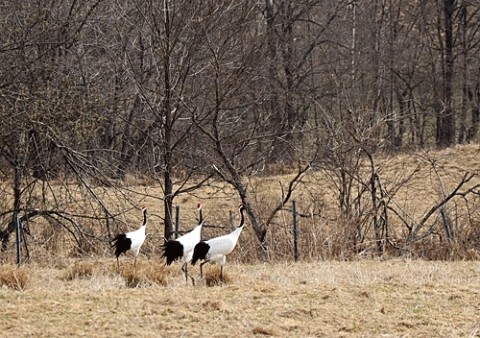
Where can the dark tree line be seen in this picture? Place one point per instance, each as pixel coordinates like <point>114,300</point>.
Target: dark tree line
<point>179,90</point>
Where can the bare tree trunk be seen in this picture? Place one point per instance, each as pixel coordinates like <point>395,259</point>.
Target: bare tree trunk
<point>283,117</point>
<point>167,128</point>
<point>289,112</point>
<point>272,45</point>
<point>462,131</point>
<point>272,54</point>
<point>475,117</point>
<point>19,171</point>
<point>472,96</point>
<point>446,123</point>
<point>353,53</point>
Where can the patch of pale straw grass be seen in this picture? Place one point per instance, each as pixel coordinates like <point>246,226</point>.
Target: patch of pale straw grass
<point>14,278</point>
<point>326,299</point>
<point>213,277</point>
<point>102,274</point>
<point>144,274</point>
<point>264,331</point>
<point>79,270</point>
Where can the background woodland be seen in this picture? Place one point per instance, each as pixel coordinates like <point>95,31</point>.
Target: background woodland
<point>189,96</point>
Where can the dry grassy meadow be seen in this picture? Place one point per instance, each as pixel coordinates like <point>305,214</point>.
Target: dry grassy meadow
<point>395,298</point>
<point>82,295</point>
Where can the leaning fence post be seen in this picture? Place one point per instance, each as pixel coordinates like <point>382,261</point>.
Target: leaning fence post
<point>295,231</point>
<point>177,221</point>
<point>18,238</point>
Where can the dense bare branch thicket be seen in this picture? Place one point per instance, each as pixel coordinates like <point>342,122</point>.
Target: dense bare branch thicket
<point>185,93</point>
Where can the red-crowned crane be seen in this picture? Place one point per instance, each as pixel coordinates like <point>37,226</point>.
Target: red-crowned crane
<point>217,249</point>
<point>182,247</point>
<point>132,240</point>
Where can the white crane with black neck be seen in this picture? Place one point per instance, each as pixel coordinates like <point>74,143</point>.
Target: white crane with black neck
<point>182,247</point>
<point>132,240</point>
<point>217,249</point>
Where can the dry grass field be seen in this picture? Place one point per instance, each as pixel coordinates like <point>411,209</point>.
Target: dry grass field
<point>66,291</point>
<point>394,298</point>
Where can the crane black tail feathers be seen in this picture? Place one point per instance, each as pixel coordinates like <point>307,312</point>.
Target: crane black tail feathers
<point>121,243</point>
<point>200,252</point>
<point>173,250</point>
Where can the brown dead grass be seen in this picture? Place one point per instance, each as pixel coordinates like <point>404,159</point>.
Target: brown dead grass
<point>72,295</point>
<point>144,274</point>
<point>319,299</point>
<point>264,331</point>
<point>14,278</point>
<point>213,276</point>
<point>79,270</point>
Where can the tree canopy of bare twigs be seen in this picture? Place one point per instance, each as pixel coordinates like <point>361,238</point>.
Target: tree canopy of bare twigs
<point>185,93</point>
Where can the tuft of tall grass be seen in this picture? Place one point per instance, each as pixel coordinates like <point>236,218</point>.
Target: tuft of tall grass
<point>263,331</point>
<point>14,278</point>
<point>133,279</point>
<point>144,275</point>
<point>79,270</point>
<point>157,276</point>
<point>213,277</point>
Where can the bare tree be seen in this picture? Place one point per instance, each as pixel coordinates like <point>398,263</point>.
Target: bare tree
<point>225,121</point>
<point>446,120</point>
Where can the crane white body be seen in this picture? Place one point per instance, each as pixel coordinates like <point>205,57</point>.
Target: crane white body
<point>189,240</point>
<point>217,249</point>
<point>221,246</point>
<point>132,240</point>
<point>182,247</point>
<point>138,238</point>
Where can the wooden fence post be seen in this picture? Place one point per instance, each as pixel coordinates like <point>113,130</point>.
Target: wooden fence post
<point>295,231</point>
<point>18,238</point>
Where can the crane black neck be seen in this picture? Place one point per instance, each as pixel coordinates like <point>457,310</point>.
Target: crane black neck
<point>144,217</point>
<point>242,218</point>
<point>200,221</point>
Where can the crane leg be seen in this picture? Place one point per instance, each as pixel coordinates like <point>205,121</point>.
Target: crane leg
<point>185,270</point>
<point>118,266</point>
<point>201,268</point>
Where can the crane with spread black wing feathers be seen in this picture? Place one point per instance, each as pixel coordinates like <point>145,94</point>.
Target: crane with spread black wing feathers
<point>217,249</point>
<point>132,240</point>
